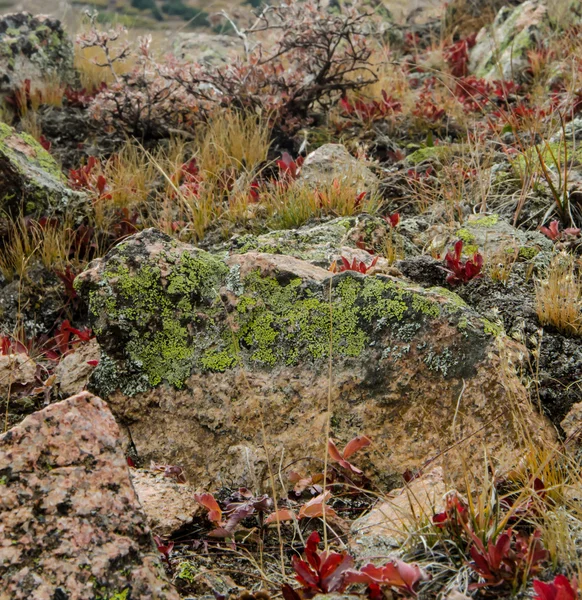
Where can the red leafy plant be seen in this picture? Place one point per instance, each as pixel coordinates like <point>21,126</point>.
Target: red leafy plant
<point>511,559</point>
<point>457,55</point>
<point>165,549</point>
<point>555,234</point>
<point>356,265</point>
<point>561,588</point>
<point>328,571</point>
<point>68,278</point>
<point>288,168</point>
<point>188,178</point>
<point>351,448</point>
<point>392,219</point>
<point>319,572</point>
<point>89,177</point>
<point>373,110</point>
<point>65,339</point>
<point>462,271</point>
<point>10,345</point>
<point>454,518</point>
<point>241,505</point>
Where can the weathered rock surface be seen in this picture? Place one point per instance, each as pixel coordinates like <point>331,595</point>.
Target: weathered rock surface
<point>73,371</point>
<point>167,504</point>
<point>34,48</point>
<point>196,347</point>
<point>15,369</point>
<point>333,162</point>
<point>70,522</point>
<point>30,179</point>
<point>501,50</point>
<point>387,525</point>
<point>322,244</point>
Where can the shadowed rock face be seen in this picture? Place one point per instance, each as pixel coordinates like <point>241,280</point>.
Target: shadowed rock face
<point>71,524</point>
<point>197,348</point>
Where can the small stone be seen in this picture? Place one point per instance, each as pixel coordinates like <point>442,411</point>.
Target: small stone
<point>34,48</point>
<point>167,504</point>
<point>333,162</point>
<point>389,523</point>
<point>16,369</point>
<point>73,371</point>
<point>30,179</point>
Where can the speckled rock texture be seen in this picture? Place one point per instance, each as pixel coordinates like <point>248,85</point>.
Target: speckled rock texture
<point>196,347</point>
<point>322,244</point>
<point>71,526</point>
<point>30,179</point>
<point>167,504</point>
<point>34,48</point>
<point>73,370</point>
<point>332,162</point>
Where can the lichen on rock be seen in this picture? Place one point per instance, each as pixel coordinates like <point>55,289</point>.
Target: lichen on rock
<point>32,182</point>
<point>33,48</point>
<point>162,310</point>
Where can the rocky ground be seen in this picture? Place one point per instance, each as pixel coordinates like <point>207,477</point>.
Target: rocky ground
<point>296,312</point>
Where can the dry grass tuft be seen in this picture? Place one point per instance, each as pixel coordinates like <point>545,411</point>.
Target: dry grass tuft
<point>559,296</point>
<point>51,244</point>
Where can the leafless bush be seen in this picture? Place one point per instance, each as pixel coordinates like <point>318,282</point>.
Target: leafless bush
<point>314,57</point>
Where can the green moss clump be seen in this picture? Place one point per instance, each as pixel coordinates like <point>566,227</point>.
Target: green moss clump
<point>528,252</point>
<point>159,314</point>
<point>491,328</point>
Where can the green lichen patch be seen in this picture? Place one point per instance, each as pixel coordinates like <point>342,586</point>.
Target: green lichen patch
<point>321,244</point>
<point>490,234</point>
<point>160,317</point>
<point>32,182</point>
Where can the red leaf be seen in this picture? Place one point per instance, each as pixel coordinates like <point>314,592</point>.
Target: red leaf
<point>559,589</point>
<point>360,441</point>
<point>284,514</point>
<point>209,502</point>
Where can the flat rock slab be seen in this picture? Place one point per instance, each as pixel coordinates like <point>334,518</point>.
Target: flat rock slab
<point>71,527</point>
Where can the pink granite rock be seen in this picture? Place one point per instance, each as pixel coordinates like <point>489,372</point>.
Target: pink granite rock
<point>71,527</point>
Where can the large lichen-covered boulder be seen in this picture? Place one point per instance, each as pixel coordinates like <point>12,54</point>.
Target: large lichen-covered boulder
<point>30,179</point>
<point>501,49</point>
<point>196,347</point>
<point>70,522</point>
<point>34,48</point>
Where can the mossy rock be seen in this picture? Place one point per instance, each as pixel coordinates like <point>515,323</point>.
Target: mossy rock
<point>162,310</point>
<point>34,48</point>
<point>501,50</point>
<point>323,243</point>
<point>194,344</point>
<point>31,181</point>
<point>491,234</point>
